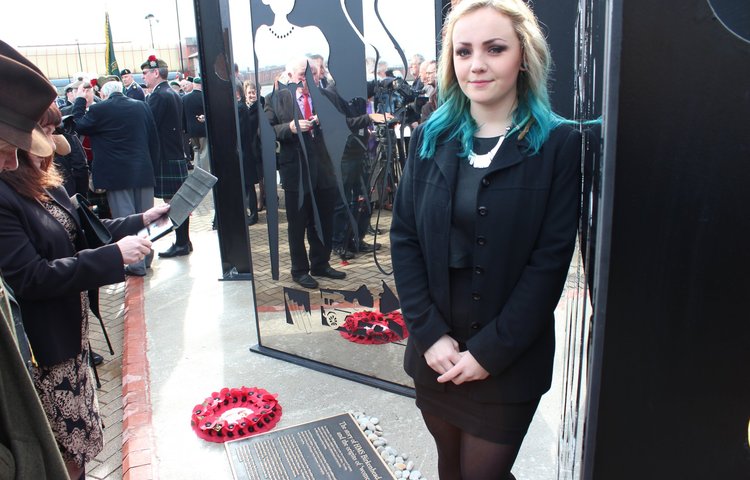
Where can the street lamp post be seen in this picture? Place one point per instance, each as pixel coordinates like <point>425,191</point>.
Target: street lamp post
<point>179,35</point>
<point>150,17</point>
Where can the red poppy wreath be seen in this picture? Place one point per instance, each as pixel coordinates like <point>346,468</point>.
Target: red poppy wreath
<point>235,413</point>
<point>374,328</point>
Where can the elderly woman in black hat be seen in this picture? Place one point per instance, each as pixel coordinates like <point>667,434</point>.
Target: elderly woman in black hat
<point>45,259</point>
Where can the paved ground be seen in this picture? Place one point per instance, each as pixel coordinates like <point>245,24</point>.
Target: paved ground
<point>108,464</point>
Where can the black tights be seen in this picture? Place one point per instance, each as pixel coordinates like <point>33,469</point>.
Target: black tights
<point>465,457</point>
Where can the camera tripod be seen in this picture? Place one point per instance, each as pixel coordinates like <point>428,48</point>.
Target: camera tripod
<point>385,169</point>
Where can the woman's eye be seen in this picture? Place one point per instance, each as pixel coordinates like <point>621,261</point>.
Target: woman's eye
<point>462,52</point>
<point>498,49</point>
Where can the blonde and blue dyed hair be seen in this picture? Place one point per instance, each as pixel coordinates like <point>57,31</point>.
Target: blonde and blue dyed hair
<point>532,118</point>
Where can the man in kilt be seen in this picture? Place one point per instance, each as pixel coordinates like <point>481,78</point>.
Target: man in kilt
<point>171,170</point>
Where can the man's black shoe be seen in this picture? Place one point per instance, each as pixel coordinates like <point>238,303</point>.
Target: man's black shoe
<point>96,358</point>
<point>176,251</point>
<point>371,230</point>
<point>365,247</point>
<point>252,219</point>
<point>330,273</point>
<point>305,280</point>
<point>343,253</point>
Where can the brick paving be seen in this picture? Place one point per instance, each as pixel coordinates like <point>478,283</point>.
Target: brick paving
<point>108,464</point>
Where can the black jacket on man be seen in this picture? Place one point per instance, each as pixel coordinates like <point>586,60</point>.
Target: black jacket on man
<point>192,106</point>
<point>166,106</point>
<point>280,108</point>
<point>171,169</point>
<point>124,140</point>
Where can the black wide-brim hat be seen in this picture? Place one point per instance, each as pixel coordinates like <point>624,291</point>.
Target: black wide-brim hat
<point>25,95</point>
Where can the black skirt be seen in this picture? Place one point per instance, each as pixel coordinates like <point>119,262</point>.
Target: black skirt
<point>505,423</point>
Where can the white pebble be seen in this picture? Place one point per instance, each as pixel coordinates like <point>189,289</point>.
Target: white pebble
<point>415,475</point>
<point>409,465</point>
<point>397,474</point>
<point>391,459</point>
<point>375,420</point>
<point>378,443</point>
<point>384,455</point>
<point>378,428</point>
<point>399,459</point>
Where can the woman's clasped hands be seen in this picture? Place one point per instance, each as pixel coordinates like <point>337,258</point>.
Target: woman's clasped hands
<point>453,366</point>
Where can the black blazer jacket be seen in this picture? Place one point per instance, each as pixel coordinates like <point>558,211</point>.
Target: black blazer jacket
<point>280,106</point>
<point>48,273</point>
<point>527,214</point>
<point>166,106</point>
<point>124,140</point>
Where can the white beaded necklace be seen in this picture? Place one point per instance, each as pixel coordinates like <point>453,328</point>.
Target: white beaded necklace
<point>484,160</point>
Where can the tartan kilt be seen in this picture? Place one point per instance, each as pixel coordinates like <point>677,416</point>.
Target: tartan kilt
<point>169,177</point>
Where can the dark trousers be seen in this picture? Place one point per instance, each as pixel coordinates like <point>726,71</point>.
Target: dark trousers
<point>301,221</point>
<point>252,199</point>
<point>343,231</point>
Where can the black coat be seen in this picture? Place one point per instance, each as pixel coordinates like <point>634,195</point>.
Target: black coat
<point>135,92</point>
<point>527,214</point>
<point>48,273</point>
<point>280,107</point>
<point>192,106</point>
<point>252,166</point>
<point>166,105</point>
<point>123,139</point>
<point>74,167</point>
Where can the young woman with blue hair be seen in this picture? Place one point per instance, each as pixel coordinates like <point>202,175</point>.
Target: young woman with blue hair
<point>483,231</point>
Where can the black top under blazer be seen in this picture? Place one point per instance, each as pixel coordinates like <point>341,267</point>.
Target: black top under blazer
<point>124,140</point>
<point>280,107</point>
<point>527,214</point>
<point>48,273</point>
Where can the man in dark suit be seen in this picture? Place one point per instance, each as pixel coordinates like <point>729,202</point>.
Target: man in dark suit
<point>304,178</point>
<point>171,167</point>
<point>194,124</point>
<point>126,148</point>
<point>132,89</point>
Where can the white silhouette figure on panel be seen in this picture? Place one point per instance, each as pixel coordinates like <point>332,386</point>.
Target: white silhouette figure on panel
<point>283,41</point>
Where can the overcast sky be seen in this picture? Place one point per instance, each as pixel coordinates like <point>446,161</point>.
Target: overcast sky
<point>51,22</point>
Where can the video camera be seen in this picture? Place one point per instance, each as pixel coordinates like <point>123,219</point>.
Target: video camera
<point>394,95</point>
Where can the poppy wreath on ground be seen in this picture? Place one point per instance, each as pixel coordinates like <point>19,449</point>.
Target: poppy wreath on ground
<point>374,328</point>
<point>235,413</point>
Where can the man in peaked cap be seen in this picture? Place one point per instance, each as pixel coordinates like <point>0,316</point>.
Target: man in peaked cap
<point>171,168</point>
<point>27,447</point>
<point>132,89</point>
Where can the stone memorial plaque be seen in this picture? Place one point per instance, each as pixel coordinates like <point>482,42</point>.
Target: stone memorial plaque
<point>330,448</point>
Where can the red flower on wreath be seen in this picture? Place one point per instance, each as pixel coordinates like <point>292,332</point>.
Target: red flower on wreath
<point>370,327</point>
<point>234,413</point>
<point>93,82</point>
